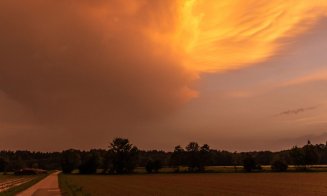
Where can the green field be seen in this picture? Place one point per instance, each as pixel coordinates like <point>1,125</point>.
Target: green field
<point>314,183</point>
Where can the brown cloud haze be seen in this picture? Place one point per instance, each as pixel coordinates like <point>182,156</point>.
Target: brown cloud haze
<point>83,66</point>
<point>60,61</point>
<point>77,73</point>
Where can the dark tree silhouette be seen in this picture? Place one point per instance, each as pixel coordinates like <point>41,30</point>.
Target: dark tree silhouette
<point>4,163</point>
<point>279,165</point>
<point>70,160</point>
<point>249,163</point>
<point>90,163</point>
<point>303,157</point>
<point>297,156</point>
<point>157,165</point>
<point>122,156</point>
<point>153,166</point>
<point>192,157</point>
<point>177,158</point>
<point>204,156</point>
<point>310,154</point>
<point>149,166</point>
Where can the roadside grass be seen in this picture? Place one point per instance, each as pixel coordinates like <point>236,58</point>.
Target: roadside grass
<point>22,187</point>
<point>68,188</point>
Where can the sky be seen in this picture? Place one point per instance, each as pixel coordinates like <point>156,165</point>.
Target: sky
<point>239,75</point>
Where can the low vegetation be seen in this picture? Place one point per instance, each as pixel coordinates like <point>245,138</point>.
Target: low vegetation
<point>197,184</point>
<point>124,157</point>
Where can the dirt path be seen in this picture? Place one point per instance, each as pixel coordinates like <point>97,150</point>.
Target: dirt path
<point>49,186</point>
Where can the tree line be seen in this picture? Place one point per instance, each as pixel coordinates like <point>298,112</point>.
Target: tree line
<point>123,157</point>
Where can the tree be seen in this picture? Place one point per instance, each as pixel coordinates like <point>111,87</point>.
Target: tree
<point>205,156</point>
<point>250,164</point>
<point>122,156</point>
<point>192,156</point>
<point>297,156</point>
<point>70,160</point>
<point>197,157</point>
<point>177,158</point>
<point>90,163</point>
<point>304,156</point>
<point>3,164</point>
<point>310,154</point>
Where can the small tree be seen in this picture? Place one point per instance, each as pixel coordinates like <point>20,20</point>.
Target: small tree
<point>70,160</point>
<point>123,156</point>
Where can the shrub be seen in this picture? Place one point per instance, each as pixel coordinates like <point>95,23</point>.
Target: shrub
<point>279,165</point>
<point>153,166</point>
<point>250,164</point>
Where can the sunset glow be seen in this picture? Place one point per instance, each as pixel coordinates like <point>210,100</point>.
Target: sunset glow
<point>224,35</point>
<point>173,70</point>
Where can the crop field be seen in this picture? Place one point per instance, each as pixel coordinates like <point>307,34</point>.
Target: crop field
<point>310,183</point>
<point>10,181</point>
<point>12,184</point>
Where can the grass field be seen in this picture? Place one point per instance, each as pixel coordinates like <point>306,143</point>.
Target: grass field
<point>314,183</point>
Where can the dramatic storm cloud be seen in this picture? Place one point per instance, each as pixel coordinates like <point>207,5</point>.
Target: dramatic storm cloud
<point>80,72</point>
<point>80,61</point>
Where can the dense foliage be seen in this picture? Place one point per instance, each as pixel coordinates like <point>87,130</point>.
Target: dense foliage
<point>124,157</point>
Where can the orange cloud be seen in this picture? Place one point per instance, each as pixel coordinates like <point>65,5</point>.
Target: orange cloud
<point>312,77</point>
<point>223,35</point>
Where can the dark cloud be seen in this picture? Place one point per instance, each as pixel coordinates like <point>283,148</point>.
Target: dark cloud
<point>297,111</point>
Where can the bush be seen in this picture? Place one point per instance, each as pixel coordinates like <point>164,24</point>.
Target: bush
<point>153,166</point>
<point>250,164</point>
<point>279,166</point>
